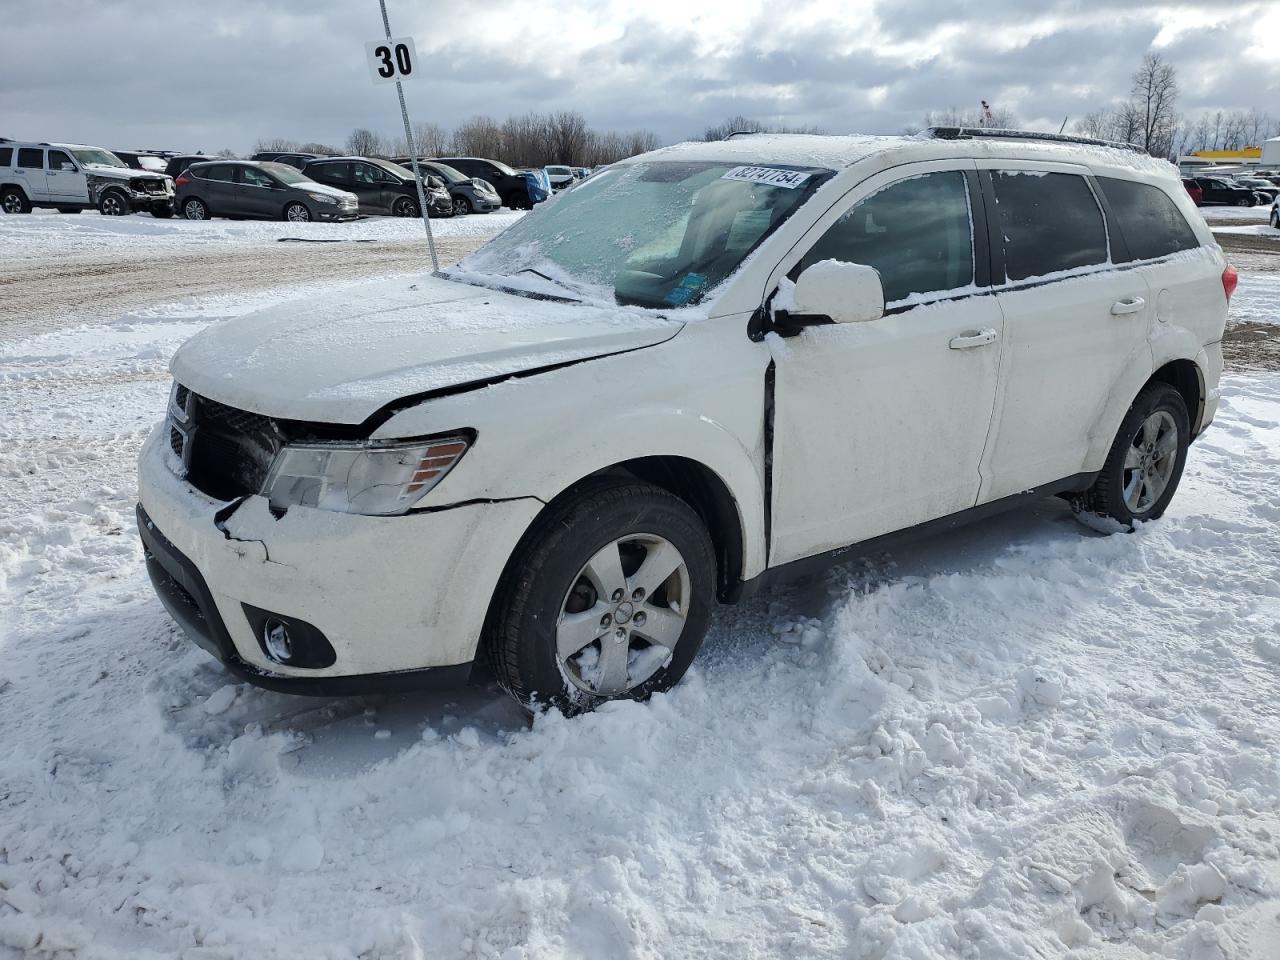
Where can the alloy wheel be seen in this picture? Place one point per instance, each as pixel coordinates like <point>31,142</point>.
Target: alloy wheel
<point>194,210</point>
<point>623,615</point>
<point>1149,463</point>
<point>297,213</point>
<point>405,208</point>
<point>12,203</point>
<point>461,207</point>
<point>111,206</point>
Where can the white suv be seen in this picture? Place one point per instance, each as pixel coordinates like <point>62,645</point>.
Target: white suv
<point>71,176</point>
<point>703,368</point>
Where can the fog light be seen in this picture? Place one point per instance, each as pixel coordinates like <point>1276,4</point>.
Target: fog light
<point>276,640</point>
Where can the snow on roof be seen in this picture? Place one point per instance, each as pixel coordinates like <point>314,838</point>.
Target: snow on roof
<point>803,149</point>
<point>838,152</point>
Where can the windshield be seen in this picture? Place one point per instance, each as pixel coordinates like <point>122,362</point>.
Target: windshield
<point>654,234</point>
<point>285,173</point>
<point>102,158</point>
<point>560,171</point>
<point>402,172</point>
<point>447,172</point>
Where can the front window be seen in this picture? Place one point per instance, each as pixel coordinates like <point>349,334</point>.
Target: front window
<point>102,158</point>
<point>916,233</point>
<point>655,234</point>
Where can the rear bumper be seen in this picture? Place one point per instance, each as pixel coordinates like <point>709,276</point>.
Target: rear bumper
<point>391,596</point>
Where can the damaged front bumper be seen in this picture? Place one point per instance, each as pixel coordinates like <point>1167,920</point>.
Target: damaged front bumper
<point>400,601</point>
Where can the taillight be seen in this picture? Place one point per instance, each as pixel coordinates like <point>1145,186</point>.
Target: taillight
<point>182,180</point>
<point>1230,279</point>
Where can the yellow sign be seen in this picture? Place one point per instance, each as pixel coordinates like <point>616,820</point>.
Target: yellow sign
<point>1248,153</point>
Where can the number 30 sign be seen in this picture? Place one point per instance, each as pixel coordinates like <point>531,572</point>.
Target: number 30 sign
<point>392,60</point>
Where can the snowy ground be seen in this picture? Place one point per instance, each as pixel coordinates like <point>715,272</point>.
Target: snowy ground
<point>1013,741</point>
<point>1259,213</point>
<point>47,233</point>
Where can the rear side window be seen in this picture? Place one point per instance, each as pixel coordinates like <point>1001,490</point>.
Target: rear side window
<point>916,233</point>
<point>330,172</point>
<point>225,172</point>
<point>1151,223</point>
<point>6,156</point>
<point>31,158</point>
<point>1048,222</point>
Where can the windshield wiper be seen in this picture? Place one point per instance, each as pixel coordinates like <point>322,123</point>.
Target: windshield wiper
<point>559,283</point>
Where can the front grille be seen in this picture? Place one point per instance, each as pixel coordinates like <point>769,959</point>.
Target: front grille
<point>226,452</point>
<point>147,185</point>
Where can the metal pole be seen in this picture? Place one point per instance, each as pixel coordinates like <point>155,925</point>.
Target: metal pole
<point>413,151</point>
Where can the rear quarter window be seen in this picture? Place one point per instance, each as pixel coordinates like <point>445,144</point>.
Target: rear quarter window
<point>1151,223</point>
<point>31,158</point>
<point>1048,223</point>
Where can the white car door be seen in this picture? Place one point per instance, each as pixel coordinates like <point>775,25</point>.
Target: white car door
<point>64,178</point>
<point>879,426</point>
<point>28,170</point>
<point>1073,322</point>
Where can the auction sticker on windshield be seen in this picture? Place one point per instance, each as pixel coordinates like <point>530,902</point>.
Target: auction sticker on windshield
<point>772,176</point>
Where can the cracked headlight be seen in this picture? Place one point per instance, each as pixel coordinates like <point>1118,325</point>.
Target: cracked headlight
<point>375,478</point>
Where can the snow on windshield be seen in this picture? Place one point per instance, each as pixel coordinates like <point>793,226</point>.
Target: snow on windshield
<point>654,234</point>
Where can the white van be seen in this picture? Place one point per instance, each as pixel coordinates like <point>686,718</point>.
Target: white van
<point>703,368</point>
<point>71,176</point>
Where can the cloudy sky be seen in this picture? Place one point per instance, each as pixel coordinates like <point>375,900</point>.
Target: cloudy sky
<point>206,75</point>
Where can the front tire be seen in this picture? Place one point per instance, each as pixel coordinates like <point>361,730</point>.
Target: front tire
<point>461,206</point>
<point>13,200</point>
<point>114,204</point>
<point>1144,466</point>
<point>162,212</point>
<point>404,207</point>
<point>1275,220</point>
<point>607,597</point>
<point>297,213</point>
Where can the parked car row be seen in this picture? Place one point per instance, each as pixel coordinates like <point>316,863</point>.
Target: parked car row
<point>297,187</point>
<point>1237,191</point>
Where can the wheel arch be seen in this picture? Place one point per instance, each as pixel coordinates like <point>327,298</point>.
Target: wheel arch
<point>1187,378</point>
<point>14,186</point>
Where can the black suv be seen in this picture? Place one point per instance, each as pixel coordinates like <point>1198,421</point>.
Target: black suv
<point>293,159</point>
<point>519,190</point>
<point>178,164</point>
<point>382,186</point>
<point>1219,191</point>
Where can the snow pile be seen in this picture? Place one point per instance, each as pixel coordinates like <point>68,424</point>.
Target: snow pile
<point>49,234</point>
<point>1018,740</point>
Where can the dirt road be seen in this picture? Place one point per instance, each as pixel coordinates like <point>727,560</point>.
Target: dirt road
<point>38,296</point>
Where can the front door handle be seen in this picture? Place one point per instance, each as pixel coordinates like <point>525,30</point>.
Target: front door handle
<point>981,338</point>
<point>1131,305</point>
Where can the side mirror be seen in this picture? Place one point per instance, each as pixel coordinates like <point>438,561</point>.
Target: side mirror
<point>834,291</point>
<point>67,167</point>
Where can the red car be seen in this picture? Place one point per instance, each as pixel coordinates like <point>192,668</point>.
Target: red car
<point>1193,188</point>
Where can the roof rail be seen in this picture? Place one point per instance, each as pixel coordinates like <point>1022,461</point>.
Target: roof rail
<point>983,133</point>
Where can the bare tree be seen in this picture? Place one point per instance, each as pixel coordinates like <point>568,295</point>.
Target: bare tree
<point>321,148</point>
<point>479,137</point>
<point>1155,94</point>
<point>568,130</point>
<point>362,142</point>
<point>277,144</point>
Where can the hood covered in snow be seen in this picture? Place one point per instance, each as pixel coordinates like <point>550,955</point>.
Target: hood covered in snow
<point>325,189</point>
<point>342,358</point>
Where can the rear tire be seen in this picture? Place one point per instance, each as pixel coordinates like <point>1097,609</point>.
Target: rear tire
<point>1275,220</point>
<point>1144,466</point>
<point>13,200</point>
<point>193,208</point>
<point>114,204</point>
<point>561,632</point>
<point>297,213</point>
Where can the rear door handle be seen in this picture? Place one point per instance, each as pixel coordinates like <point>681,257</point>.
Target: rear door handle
<point>967,341</point>
<point>1131,305</point>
